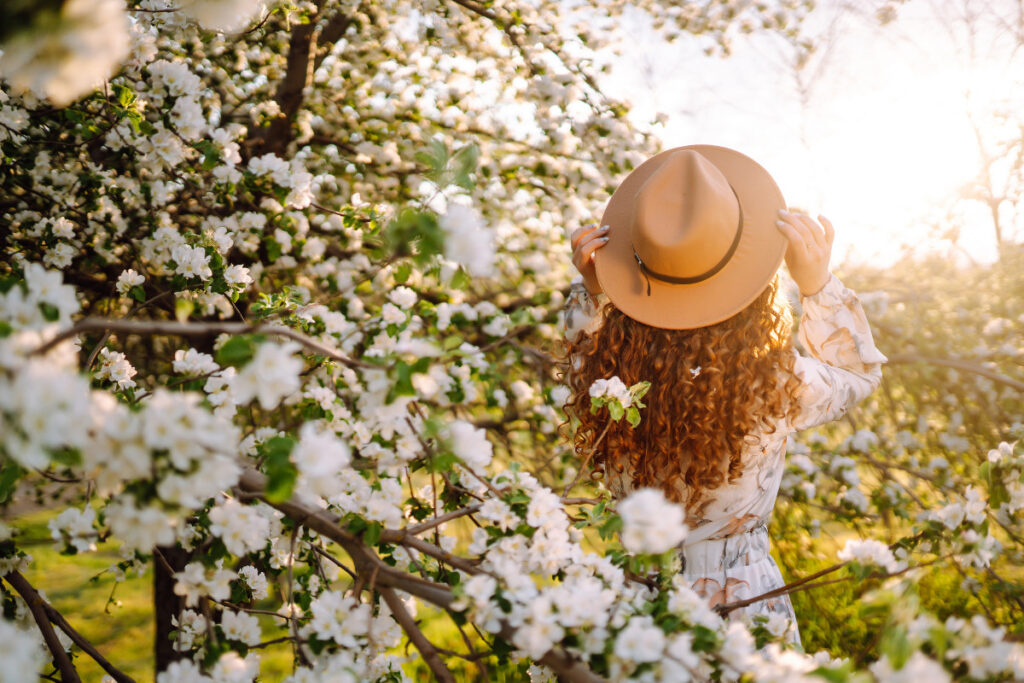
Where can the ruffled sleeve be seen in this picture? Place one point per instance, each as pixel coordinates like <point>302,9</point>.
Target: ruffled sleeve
<point>844,365</point>
<point>582,311</point>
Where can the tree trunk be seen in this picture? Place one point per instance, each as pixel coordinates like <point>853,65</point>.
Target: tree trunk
<point>166,604</point>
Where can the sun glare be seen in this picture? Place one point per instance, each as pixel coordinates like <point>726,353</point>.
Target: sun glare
<point>899,153</point>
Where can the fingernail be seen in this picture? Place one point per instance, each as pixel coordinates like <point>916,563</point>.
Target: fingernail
<point>781,224</point>
<point>605,228</point>
<point>783,212</point>
<point>605,239</point>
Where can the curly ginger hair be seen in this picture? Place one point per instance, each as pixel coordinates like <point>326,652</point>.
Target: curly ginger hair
<point>710,388</point>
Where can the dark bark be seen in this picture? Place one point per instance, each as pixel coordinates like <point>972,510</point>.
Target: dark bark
<point>302,61</point>
<point>166,604</point>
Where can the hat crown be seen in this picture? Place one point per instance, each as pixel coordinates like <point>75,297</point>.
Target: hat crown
<point>685,216</point>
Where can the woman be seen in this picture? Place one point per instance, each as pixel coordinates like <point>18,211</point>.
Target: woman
<point>679,287</point>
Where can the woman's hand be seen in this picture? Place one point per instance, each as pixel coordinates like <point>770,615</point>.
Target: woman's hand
<point>808,251</point>
<point>585,243</point>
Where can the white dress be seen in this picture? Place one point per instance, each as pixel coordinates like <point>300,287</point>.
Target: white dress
<point>725,555</point>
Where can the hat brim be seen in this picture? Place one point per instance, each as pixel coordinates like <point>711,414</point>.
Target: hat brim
<point>753,265</point>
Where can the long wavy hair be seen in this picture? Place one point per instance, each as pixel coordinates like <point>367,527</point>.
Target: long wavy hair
<point>711,387</point>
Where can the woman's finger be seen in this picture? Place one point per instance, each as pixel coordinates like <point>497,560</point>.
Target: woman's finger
<point>794,236</point>
<point>815,230</point>
<point>802,231</point>
<point>830,231</point>
<point>581,248</point>
<point>586,241</point>
<point>586,251</point>
<point>580,233</point>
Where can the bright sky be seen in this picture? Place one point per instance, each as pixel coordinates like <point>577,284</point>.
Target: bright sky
<point>883,141</point>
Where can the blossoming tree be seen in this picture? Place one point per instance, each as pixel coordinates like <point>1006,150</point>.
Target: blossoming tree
<point>279,298</point>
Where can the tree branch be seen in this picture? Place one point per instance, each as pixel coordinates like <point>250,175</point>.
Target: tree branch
<point>58,619</point>
<point>367,562</point>
<point>35,604</point>
<point>155,327</point>
<point>957,364</point>
<point>426,648</point>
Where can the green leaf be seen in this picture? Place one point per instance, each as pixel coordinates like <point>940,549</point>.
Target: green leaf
<point>137,293</point>
<point>633,416</point>
<point>402,273</point>
<point>372,533</point>
<point>236,351</point>
<point>403,382</point>
<point>639,390</point>
<point>616,410</point>
<point>211,155</point>
<point>183,309</point>
<point>50,311</point>
<point>281,473</point>
<point>465,161</point>
<point>10,473</point>
<point>895,645</point>
<point>460,279</point>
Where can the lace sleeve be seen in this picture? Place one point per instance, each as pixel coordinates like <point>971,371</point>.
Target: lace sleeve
<point>582,312</point>
<point>844,365</point>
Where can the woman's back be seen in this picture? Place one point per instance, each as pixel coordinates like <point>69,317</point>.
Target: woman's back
<point>726,550</point>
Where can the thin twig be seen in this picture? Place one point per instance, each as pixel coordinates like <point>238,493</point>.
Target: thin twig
<point>586,461</point>
<point>438,521</point>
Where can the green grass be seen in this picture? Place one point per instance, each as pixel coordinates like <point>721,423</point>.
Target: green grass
<point>78,586</point>
<point>122,629</point>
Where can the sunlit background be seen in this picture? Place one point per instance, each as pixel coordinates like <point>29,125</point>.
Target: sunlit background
<point>885,130</point>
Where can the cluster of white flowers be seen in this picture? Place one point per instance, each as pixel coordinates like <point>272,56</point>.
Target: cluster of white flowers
<point>470,444</point>
<point>128,279</point>
<point>68,59</point>
<point>243,528</point>
<point>43,409</point>
<point>468,241</point>
<point>240,627</point>
<point>612,388</point>
<point>192,262</point>
<point>287,175</point>
<point>985,649</point>
<point>870,552</point>
<point>21,651</point>
<point>197,581</point>
<point>973,509</point>
<point>322,460</point>
<point>192,362</point>
<point>26,308</point>
<point>74,527</point>
<point>230,667</point>
<point>650,522</point>
<point>114,367</point>
<point>271,374</point>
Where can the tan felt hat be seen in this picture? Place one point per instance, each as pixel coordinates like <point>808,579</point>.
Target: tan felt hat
<point>692,237</point>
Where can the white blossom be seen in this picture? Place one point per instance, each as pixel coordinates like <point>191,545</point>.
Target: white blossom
<point>869,552</point>
<point>470,444</point>
<point>650,522</point>
<point>468,241</point>
<point>128,279</point>
<point>71,55</point>
<point>272,374</point>
<point>242,528</point>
